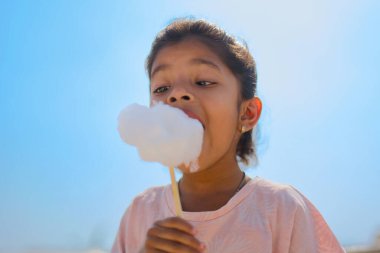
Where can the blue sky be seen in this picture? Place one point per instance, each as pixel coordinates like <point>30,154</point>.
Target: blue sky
<point>68,67</point>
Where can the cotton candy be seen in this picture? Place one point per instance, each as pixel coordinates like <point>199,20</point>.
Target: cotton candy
<point>162,133</point>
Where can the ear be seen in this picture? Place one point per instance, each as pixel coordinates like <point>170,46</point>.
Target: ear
<point>250,112</point>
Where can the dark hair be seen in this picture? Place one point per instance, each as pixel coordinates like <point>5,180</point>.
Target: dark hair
<point>235,55</point>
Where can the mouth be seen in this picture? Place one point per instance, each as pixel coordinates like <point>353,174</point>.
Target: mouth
<point>194,116</point>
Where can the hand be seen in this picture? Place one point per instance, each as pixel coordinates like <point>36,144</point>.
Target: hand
<point>172,235</point>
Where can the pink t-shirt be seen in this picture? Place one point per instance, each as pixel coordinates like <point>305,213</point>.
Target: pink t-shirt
<point>263,217</point>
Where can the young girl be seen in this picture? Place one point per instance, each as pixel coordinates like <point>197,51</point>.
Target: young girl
<point>195,66</point>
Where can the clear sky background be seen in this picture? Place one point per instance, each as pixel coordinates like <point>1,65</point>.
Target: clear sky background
<point>68,67</point>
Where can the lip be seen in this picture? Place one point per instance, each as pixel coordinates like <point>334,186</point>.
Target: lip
<point>194,116</point>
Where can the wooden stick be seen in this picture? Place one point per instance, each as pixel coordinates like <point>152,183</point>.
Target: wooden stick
<point>177,201</point>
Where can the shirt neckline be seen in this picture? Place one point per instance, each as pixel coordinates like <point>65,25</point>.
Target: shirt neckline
<point>209,215</point>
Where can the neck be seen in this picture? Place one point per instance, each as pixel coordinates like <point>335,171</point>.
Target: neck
<point>211,188</point>
<point>223,176</point>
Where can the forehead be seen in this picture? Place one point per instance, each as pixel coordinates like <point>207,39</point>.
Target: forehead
<point>186,50</point>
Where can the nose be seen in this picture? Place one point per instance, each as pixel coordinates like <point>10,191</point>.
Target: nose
<point>179,94</point>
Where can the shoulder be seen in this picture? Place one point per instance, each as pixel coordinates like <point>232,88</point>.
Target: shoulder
<point>277,200</point>
<point>145,206</point>
<point>294,220</point>
<point>274,193</point>
<point>151,196</point>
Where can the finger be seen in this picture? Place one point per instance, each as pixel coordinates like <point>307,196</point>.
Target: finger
<point>157,243</point>
<point>176,223</point>
<point>176,236</point>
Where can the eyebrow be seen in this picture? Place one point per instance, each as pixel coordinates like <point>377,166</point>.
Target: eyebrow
<point>194,61</point>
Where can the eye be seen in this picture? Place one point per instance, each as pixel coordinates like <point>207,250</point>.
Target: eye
<point>161,89</point>
<point>204,83</point>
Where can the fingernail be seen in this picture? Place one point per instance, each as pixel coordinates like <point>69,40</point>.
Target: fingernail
<point>203,246</point>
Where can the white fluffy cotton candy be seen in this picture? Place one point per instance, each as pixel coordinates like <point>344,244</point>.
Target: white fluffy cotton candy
<point>162,133</point>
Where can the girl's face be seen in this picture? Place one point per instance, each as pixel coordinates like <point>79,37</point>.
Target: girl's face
<point>189,76</point>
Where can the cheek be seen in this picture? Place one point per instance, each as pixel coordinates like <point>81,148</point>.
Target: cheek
<point>222,126</point>
<point>224,114</point>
